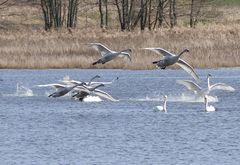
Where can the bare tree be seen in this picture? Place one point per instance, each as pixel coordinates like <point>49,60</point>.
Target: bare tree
<point>100,6</point>
<point>195,10</point>
<point>125,13</point>
<point>54,12</point>
<point>160,16</point>
<point>172,13</point>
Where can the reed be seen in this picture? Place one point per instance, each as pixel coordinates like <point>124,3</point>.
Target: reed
<point>216,45</point>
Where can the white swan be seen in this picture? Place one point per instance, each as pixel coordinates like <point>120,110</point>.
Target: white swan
<point>170,59</point>
<point>107,54</point>
<point>207,107</point>
<point>164,107</point>
<point>200,93</point>
<point>61,89</point>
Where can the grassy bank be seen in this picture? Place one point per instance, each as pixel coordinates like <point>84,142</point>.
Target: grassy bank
<point>210,46</point>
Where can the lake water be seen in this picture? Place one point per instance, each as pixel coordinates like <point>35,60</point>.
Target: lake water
<point>35,129</point>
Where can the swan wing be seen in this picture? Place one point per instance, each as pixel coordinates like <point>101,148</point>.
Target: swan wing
<point>101,48</point>
<point>81,89</point>
<point>71,82</point>
<point>190,85</point>
<point>103,94</point>
<point>188,68</point>
<point>56,86</point>
<point>160,51</point>
<point>222,86</point>
<point>104,83</point>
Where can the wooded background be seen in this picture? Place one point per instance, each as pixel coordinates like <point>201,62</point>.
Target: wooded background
<point>124,15</point>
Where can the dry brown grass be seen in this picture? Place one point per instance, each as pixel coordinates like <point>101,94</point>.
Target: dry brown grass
<point>210,46</point>
<point>213,45</point>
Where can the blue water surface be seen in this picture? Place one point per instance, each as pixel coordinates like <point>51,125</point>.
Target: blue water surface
<point>35,129</point>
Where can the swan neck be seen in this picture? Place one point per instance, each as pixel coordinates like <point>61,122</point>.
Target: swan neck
<point>181,53</point>
<point>165,105</point>
<point>90,81</point>
<point>208,81</point>
<point>124,51</point>
<point>206,103</point>
<point>96,87</point>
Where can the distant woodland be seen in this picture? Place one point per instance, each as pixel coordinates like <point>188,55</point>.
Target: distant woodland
<point>123,15</point>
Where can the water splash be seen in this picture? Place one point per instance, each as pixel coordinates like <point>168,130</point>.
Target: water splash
<point>92,99</point>
<point>176,98</point>
<point>23,91</point>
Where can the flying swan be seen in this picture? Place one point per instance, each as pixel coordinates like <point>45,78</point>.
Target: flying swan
<point>170,59</point>
<point>107,54</point>
<point>200,93</point>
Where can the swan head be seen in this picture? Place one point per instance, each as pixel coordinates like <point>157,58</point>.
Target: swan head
<point>186,50</point>
<point>209,75</point>
<point>165,98</point>
<point>129,50</point>
<point>81,84</point>
<point>97,76</point>
<point>205,98</point>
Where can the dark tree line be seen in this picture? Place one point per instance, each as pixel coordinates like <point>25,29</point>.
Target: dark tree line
<point>131,14</point>
<point>152,14</point>
<point>58,13</point>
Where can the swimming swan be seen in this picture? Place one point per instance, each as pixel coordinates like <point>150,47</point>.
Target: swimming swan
<point>170,59</point>
<point>207,107</point>
<point>107,54</point>
<point>200,93</point>
<point>164,107</point>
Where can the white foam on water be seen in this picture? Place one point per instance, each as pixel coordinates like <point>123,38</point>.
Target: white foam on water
<point>92,99</point>
<point>176,98</point>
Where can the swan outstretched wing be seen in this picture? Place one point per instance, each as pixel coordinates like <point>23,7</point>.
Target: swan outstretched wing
<point>56,86</point>
<point>104,83</point>
<point>101,48</point>
<point>222,86</point>
<point>103,94</point>
<point>160,51</point>
<point>190,85</point>
<point>188,68</point>
<point>71,82</point>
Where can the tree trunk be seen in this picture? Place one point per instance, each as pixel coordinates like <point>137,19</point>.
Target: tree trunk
<point>101,13</point>
<point>191,14</point>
